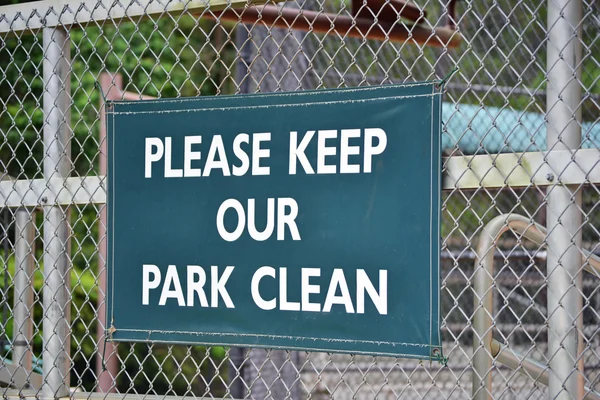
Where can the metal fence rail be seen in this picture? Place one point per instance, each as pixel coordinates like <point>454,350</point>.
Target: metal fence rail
<point>521,136</point>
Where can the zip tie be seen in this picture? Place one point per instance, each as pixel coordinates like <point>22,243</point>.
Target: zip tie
<point>443,360</point>
<point>448,76</point>
<point>438,356</point>
<point>104,355</point>
<point>97,84</point>
<point>106,335</point>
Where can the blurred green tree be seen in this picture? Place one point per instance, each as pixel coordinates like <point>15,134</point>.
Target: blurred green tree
<point>166,57</point>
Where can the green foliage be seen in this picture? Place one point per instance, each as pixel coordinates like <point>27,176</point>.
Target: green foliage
<point>83,292</point>
<point>165,57</point>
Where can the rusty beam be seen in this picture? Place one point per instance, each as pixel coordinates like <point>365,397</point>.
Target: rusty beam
<point>343,25</point>
<point>387,10</point>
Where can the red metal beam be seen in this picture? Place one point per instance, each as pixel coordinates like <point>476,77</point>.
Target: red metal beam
<point>343,25</point>
<point>387,10</point>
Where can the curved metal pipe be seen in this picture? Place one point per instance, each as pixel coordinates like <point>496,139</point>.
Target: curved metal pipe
<point>483,282</point>
<point>529,367</point>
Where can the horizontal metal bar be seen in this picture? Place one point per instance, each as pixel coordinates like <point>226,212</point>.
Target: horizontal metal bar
<point>527,366</point>
<point>510,328</point>
<point>510,90</point>
<point>343,25</point>
<point>388,10</point>
<point>55,191</point>
<point>14,375</point>
<point>75,395</point>
<point>591,263</point>
<point>461,172</point>
<point>535,370</point>
<point>522,169</point>
<point>133,396</point>
<point>50,13</point>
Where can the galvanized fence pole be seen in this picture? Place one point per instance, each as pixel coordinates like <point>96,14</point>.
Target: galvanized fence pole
<point>23,285</point>
<point>564,219</point>
<point>280,63</point>
<point>111,86</point>
<point>237,355</point>
<point>57,164</point>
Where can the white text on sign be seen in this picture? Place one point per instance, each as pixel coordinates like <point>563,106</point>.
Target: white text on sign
<point>199,286</point>
<point>238,162</point>
<point>248,154</point>
<point>281,212</point>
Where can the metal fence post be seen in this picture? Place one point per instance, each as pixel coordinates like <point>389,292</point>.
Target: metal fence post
<point>57,164</point>
<point>564,219</point>
<point>23,282</point>
<point>270,374</point>
<point>111,86</point>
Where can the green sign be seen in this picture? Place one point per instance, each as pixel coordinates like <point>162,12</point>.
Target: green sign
<point>305,220</point>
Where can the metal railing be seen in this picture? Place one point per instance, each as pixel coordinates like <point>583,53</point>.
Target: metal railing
<point>485,347</point>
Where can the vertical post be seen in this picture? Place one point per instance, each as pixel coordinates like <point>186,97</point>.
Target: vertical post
<point>284,66</point>
<point>236,370</point>
<point>23,283</point>
<point>563,202</point>
<point>111,87</point>
<point>57,164</point>
<point>483,285</point>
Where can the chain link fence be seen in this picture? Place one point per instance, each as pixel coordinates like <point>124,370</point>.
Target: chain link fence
<point>527,87</point>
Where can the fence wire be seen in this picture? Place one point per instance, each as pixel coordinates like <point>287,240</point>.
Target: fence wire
<point>497,103</point>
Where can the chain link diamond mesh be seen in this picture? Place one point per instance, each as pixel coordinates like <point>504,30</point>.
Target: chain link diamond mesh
<point>495,104</point>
